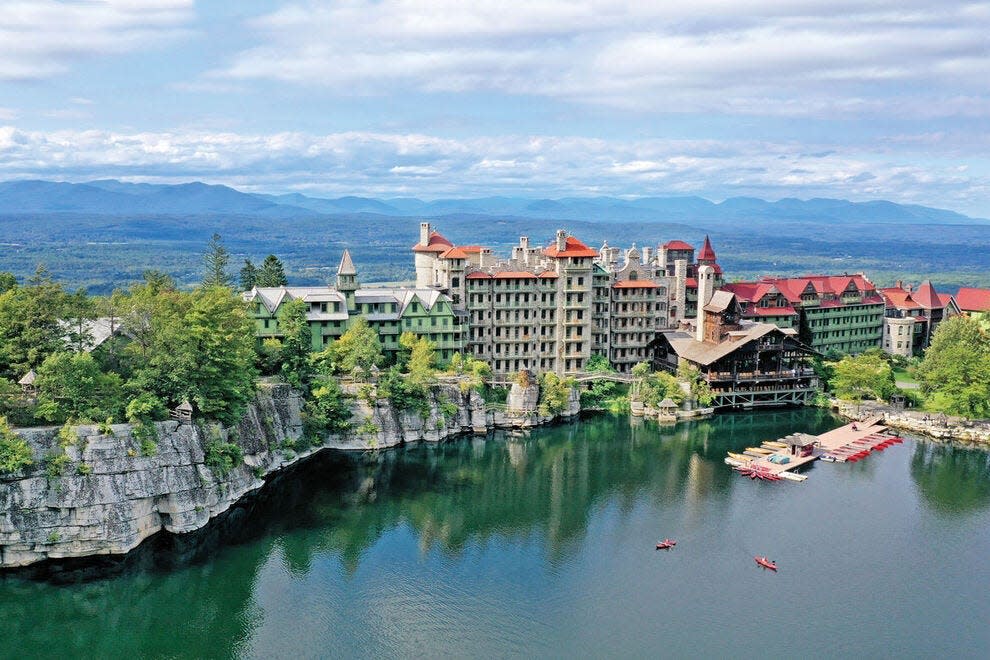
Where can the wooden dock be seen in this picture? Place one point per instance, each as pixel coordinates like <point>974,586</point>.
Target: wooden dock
<point>848,443</point>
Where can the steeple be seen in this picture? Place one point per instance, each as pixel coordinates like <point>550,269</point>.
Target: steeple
<point>347,282</point>
<point>707,254</point>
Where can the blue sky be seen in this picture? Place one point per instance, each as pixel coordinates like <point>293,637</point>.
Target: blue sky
<point>440,98</point>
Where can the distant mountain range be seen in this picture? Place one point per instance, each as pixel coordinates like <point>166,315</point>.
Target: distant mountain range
<point>115,198</point>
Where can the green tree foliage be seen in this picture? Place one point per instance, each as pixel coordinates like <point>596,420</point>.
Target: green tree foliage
<point>402,392</point>
<point>356,351</point>
<point>599,363</point>
<point>215,261</point>
<point>326,411</point>
<point>78,312</point>
<point>248,277</point>
<point>30,328</point>
<point>201,349</point>
<point>422,359</point>
<point>554,393</point>
<point>145,407</point>
<point>657,386</point>
<point>14,405</point>
<point>700,390</point>
<point>473,371</point>
<point>297,339</point>
<point>72,386</point>
<point>864,376</point>
<point>271,273</point>
<point>15,454</point>
<point>955,372</point>
<point>7,281</point>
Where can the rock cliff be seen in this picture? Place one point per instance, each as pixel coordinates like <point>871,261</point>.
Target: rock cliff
<point>104,494</point>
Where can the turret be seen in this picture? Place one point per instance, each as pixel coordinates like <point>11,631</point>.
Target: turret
<point>561,240</point>
<point>347,282</point>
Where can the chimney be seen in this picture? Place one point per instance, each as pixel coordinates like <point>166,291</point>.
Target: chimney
<point>561,240</point>
<point>680,286</point>
<point>706,287</point>
<point>899,284</point>
<point>424,233</point>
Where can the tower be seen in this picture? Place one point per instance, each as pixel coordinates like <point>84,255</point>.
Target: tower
<point>706,288</point>
<point>347,282</point>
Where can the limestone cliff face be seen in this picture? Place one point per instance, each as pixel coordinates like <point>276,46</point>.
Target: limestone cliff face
<point>110,497</point>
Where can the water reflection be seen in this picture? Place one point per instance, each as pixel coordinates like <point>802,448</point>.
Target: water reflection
<point>952,478</point>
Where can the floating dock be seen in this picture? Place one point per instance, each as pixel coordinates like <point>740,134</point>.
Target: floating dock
<point>846,444</point>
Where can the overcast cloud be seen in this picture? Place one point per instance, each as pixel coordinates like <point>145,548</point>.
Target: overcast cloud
<point>774,98</point>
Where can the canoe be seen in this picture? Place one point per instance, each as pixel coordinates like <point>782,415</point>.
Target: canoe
<point>778,445</point>
<point>766,563</point>
<point>739,457</point>
<point>766,452</point>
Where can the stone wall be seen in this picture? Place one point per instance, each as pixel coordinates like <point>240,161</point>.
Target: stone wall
<point>120,497</point>
<point>933,425</point>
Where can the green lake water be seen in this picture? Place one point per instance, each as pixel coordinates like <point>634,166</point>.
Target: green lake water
<point>543,546</point>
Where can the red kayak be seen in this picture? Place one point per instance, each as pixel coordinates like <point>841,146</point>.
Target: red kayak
<point>666,544</point>
<point>766,563</point>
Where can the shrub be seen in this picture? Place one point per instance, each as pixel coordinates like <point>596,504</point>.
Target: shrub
<point>368,427</point>
<point>222,457</point>
<point>106,427</point>
<point>147,436</point>
<point>146,406</point>
<point>15,454</point>
<point>67,435</point>
<point>55,464</point>
<point>83,469</point>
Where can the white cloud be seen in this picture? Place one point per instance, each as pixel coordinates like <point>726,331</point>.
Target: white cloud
<point>431,166</point>
<point>42,38</point>
<point>780,57</point>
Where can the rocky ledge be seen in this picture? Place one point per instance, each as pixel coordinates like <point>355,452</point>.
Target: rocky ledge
<point>932,425</point>
<point>109,494</point>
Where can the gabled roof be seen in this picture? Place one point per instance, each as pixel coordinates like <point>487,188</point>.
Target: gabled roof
<point>707,253</point>
<point>677,245</point>
<point>346,266</point>
<point>898,298</point>
<point>549,274</point>
<point>454,253</point>
<point>572,248</point>
<point>436,243</point>
<point>28,378</point>
<point>771,311</point>
<point>971,299</point>
<point>703,353</point>
<point>478,275</point>
<point>720,301</point>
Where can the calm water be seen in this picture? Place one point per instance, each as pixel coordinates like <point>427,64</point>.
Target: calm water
<point>544,546</point>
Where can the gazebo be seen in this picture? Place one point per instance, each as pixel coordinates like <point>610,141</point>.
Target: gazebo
<point>667,410</point>
<point>27,383</point>
<point>183,412</point>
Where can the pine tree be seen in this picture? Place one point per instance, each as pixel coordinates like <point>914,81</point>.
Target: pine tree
<point>249,276</point>
<point>271,273</point>
<point>216,260</point>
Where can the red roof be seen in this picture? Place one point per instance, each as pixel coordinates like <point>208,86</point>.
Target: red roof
<point>927,297</point>
<point>478,275</point>
<point>572,248</point>
<point>793,287</point>
<point>691,282</point>
<point>548,274</point>
<point>436,243</point>
<point>635,284</point>
<point>454,253</point>
<point>898,298</point>
<point>707,253</point>
<point>771,311</point>
<point>472,249</point>
<point>513,275</point>
<point>971,299</point>
<point>677,245</point>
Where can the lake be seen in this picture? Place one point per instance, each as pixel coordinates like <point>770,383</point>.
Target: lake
<point>544,545</point>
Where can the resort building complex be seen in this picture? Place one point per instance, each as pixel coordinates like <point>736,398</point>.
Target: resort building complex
<point>841,313</point>
<point>550,308</point>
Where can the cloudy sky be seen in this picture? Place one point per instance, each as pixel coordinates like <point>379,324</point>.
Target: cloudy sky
<point>435,98</point>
